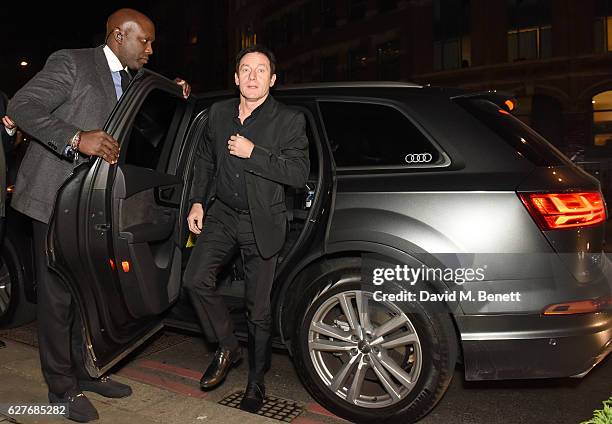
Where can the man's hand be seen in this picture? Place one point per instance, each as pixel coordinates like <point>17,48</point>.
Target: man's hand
<point>99,143</point>
<point>185,85</point>
<point>9,125</point>
<point>240,146</point>
<point>195,219</point>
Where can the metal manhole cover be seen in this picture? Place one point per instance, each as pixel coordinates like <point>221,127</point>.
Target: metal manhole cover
<point>273,407</point>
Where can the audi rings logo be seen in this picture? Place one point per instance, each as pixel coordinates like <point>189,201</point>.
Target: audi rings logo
<point>418,158</point>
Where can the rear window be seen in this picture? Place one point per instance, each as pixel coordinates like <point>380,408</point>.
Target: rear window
<point>528,143</point>
<point>374,135</point>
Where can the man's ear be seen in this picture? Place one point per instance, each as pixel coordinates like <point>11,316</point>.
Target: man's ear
<point>272,80</point>
<point>236,79</point>
<point>118,36</point>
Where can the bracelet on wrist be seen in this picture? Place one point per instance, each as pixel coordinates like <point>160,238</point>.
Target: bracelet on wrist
<point>76,141</point>
<point>74,145</point>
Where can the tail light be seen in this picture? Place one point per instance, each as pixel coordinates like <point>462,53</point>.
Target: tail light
<point>555,211</point>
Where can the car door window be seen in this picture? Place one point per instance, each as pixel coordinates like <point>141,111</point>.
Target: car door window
<point>154,128</point>
<point>374,135</point>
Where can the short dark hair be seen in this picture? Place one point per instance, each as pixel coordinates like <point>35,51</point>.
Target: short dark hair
<point>257,48</point>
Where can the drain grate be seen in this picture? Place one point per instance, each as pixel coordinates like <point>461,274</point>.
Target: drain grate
<point>273,407</point>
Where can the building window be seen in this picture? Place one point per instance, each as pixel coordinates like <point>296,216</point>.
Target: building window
<point>271,32</point>
<point>247,37</point>
<point>357,9</point>
<point>603,26</point>
<point>530,35</point>
<point>294,74</point>
<point>388,60</point>
<point>276,34</point>
<point>296,23</point>
<point>356,64</point>
<point>386,5</point>
<point>308,12</point>
<point>452,53</point>
<point>329,68</point>
<point>284,33</point>
<point>602,119</point>
<point>452,43</point>
<point>328,13</point>
<point>529,43</point>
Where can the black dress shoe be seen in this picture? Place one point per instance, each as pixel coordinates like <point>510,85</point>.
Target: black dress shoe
<point>106,387</point>
<point>253,398</point>
<point>79,408</point>
<point>219,367</point>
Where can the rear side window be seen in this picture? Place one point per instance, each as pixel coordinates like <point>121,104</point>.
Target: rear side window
<point>528,143</point>
<point>366,134</point>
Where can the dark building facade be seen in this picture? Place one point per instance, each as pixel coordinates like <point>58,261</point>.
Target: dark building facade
<point>553,55</point>
<point>191,38</point>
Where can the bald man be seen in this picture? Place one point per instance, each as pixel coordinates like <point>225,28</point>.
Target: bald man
<point>64,108</point>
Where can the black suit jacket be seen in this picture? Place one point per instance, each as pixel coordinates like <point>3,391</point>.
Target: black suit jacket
<point>280,158</point>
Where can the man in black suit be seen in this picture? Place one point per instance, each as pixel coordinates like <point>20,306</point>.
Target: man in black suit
<point>64,108</point>
<point>253,147</point>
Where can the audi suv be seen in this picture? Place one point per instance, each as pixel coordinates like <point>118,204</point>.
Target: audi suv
<point>435,229</point>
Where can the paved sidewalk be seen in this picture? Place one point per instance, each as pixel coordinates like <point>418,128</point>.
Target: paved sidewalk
<point>22,383</point>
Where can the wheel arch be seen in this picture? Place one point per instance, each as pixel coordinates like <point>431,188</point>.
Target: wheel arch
<point>340,255</point>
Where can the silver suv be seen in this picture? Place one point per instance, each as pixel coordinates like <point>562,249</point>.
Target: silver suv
<point>435,229</point>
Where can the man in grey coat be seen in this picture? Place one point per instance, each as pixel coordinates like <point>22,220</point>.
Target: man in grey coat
<point>64,108</point>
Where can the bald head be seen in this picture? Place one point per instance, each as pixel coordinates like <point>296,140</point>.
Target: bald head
<point>130,35</point>
<point>126,17</point>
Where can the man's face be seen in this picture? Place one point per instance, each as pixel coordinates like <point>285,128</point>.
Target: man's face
<point>254,77</point>
<point>137,44</point>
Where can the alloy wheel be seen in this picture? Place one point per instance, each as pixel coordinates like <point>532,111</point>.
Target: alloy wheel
<point>367,352</point>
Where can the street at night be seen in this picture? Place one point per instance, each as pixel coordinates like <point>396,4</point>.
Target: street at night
<point>306,211</point>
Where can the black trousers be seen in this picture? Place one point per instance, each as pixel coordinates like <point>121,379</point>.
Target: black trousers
<point>224,231</point>
<point>60,341</point>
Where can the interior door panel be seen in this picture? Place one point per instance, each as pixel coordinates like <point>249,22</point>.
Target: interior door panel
<point>145,239</point>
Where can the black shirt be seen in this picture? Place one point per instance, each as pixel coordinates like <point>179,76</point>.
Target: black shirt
<point>231,186</point>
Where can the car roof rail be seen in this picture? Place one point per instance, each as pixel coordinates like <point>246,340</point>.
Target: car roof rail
<point>350,84</point>
<point>502,99</point>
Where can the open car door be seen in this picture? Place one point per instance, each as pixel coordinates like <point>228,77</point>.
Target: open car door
<point>115,236</point>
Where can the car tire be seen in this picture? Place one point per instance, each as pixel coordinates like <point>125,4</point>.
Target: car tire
<point>15,310</point>
<point>428,362</point>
